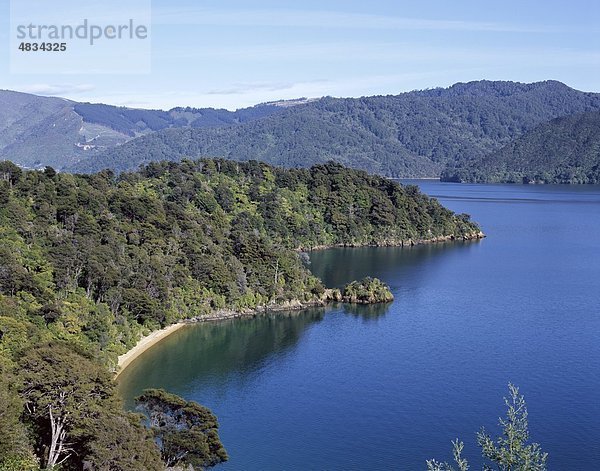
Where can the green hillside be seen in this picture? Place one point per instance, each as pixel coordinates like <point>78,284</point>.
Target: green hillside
<point>177,240</point>
<point>89,263</point>
<point>413,134</point>
<point>37,131</point>
<point>565,150</point>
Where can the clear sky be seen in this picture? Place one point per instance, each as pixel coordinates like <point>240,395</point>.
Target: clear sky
<point>231,54</point>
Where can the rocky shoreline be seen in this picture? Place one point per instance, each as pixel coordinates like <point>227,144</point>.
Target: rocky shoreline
<point>399,243</point>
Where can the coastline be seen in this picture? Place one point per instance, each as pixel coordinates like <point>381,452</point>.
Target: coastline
<point>145,343</point>
<point>400,243</point>
<point>148,341</point>
<point>415,178</point>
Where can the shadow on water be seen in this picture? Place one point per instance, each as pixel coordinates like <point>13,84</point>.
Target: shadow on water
<point>387,387</point>
<point>339,266</point>
<point>216,352</point>
<point>368,312</point>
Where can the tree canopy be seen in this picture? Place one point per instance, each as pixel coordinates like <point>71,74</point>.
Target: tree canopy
<point>565,150</point>
<point>73,418</point>
<point>185,431</point>
<point>90,263</point>
<point>414,134</point>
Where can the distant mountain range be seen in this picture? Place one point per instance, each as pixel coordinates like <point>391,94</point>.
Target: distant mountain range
<point>38,131</point>
<point>564,150</point>
<point>424,133</point>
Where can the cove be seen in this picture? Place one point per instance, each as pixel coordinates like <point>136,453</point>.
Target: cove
<point>386,387</point>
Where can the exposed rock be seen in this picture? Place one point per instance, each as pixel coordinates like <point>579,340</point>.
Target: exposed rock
<point>400,243</point>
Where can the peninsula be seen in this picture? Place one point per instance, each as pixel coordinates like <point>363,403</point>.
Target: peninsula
<point>89,264</point>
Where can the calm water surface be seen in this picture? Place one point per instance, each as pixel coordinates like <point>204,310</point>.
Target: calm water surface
<point>384,388</point>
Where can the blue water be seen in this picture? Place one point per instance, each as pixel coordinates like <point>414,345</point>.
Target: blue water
<point>383,388</point>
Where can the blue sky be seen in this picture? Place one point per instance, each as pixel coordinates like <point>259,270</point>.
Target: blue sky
<point>233,54</point>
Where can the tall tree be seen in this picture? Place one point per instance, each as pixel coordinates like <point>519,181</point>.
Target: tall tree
<point>120,442</point>
<point>71,406</point>
<point>60,389</point>
<point>186,431</point>
<point>15,450</point>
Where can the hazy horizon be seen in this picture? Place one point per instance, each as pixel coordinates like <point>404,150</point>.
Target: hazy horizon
<point>231,55</point>
<point>234,108</point>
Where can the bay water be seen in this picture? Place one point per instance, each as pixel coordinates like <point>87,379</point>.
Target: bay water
<point>387,387</point>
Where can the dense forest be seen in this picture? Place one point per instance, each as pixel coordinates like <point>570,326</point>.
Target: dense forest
<point>565,150</point>
<point>414,134</point>
<point>36,131</point>
<point>89,263</point>
<point>131,121</point>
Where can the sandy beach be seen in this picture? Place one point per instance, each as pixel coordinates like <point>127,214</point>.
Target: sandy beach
<point>144,344</point>
<point>220,315</point>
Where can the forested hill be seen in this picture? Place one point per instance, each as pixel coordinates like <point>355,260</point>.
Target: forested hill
<point>100,256</point>
<point>414,134</point>
<point>37,131</point>
<point>90,262</point>
<point>565,150</point>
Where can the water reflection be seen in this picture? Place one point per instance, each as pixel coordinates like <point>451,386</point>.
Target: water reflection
<point>216,353</point>
<point>369,312</point>
<point>385,262</point>
<point>387,387</point>
<point>232,353</point>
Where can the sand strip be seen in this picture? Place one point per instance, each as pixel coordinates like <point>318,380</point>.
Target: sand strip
<point>152,339</point>
<point>144,344</point>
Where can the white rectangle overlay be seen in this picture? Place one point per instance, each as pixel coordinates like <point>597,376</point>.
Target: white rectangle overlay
<point>75,37</point>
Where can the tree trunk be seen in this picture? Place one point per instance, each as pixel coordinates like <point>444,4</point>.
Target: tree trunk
<point>57,441</point>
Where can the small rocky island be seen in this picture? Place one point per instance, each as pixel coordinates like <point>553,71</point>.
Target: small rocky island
<point>366,291</point>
